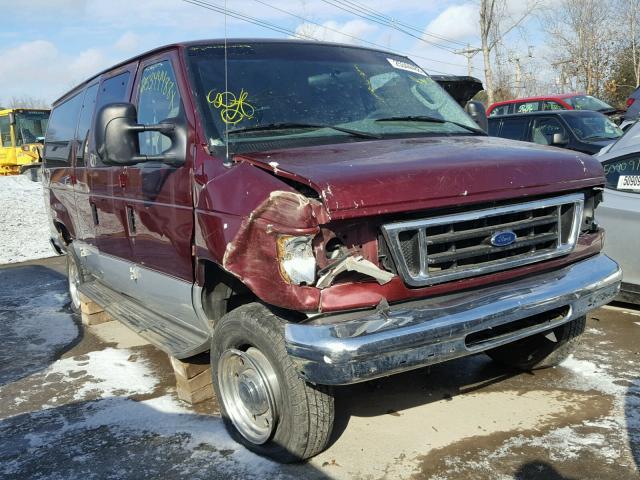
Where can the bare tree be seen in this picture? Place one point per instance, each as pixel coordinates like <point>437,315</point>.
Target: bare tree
<point>26,101</point>
<point>582,34</point>
<point>495,23</point>
<point>629,17</point>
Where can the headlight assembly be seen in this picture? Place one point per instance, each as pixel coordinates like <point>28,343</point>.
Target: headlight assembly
<point>296,260</point>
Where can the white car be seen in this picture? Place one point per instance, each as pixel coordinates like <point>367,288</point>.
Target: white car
<point>619,213</point>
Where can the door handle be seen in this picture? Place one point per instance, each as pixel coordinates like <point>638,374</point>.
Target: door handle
<point>131,220</point>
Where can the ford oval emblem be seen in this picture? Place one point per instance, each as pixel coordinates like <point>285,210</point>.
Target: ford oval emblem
<point>504,238</point>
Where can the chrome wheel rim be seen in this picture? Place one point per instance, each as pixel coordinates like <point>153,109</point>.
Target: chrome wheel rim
<point>74,283</point>
<point>249,388</point>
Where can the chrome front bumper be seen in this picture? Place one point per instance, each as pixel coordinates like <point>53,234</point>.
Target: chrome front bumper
<point>356,347</point>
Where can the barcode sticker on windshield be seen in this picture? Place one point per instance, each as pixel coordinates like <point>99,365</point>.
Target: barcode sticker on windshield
<point>406,66</point>
<point>629,182</point>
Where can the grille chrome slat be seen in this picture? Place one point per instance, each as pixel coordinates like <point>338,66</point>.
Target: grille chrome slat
<point>476,251</point>
<point>450,247</point>
<point>477,232</point>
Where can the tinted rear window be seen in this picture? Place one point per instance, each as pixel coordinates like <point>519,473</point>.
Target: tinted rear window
<point>61,130</point>
<point>84,124</point>
<point>113,89</point>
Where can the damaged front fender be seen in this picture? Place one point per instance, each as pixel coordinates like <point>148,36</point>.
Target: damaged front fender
<point>252,254</point>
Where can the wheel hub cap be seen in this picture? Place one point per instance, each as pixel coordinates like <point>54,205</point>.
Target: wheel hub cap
<point>74,283</point>
<point>249,388</point>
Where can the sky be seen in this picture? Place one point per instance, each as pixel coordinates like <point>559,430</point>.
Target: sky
<point>49,46</point>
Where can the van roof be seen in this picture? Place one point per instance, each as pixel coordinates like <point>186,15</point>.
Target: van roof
<point>216,41</point>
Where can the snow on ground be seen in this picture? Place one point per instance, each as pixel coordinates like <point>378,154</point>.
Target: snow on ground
<point>99,414</point>
<point>34,323</point>
<point>81,401</point>
<point>24,227</point>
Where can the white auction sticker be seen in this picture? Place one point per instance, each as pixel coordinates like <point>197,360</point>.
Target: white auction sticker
<point>629,182</point>
<point>406,66</point>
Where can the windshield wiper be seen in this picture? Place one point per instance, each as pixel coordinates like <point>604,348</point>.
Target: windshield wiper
<point>293,125</point>
<point>428,119</point>
<point>598,137</point>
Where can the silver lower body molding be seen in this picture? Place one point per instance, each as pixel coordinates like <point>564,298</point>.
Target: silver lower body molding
<point>415,334</point>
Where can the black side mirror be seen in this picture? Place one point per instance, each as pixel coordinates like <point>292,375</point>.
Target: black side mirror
<point>478,113</point>
<point>559,140</point>
<point>116,137</point>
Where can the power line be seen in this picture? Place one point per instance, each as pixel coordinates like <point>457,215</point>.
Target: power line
<point>247,18</point>
<point>382,20</point>
<point>377,45</point>
<point>404,24</point>
<point>286,31</point>
<point>358,12</point>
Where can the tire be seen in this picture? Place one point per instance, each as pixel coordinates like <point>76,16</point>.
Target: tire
<point>538,351</point>
<point>304,413</point>
<point>75,278</point>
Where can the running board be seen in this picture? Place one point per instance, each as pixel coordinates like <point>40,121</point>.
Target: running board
<point>169,334</point>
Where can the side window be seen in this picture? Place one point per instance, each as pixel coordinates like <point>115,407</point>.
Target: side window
<point>623,174</point>
<point>551,105</point>
<point>498,111</point>
<point>158,99</point>
<point>61,131</point>
<point>514,128</point>
<point>526,107</point>
<point>5,131</point>
<point>84,123</point>
<point>543,129</point>
<point>113,89</point>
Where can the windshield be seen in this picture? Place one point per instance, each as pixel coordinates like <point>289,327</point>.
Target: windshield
<point>593,126</point>
<point>587,102</point>
<point>293,89</point>
<point>31,126</point>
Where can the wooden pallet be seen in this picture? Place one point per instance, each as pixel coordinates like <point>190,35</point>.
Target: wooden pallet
<point>91,312</point>
<point>193,378</point>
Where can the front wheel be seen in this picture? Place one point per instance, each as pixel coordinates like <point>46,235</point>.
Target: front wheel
<point>543,350</point>
<point>264,403</point>
<point>75,279</point>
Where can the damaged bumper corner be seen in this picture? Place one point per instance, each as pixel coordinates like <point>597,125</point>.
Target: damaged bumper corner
<point>354,347</point>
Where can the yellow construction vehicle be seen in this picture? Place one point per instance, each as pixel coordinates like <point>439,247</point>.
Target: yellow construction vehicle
<point>21,139</point>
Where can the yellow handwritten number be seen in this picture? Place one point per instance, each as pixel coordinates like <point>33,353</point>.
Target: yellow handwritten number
<point>232,109</point>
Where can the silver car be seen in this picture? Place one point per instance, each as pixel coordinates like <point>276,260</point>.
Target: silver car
<point>619,213</point>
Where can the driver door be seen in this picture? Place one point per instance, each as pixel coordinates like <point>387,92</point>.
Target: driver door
<point>158,203</point>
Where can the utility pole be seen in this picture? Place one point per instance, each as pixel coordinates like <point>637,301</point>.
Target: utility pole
<point>562,66</point>
<point>469,53</point>
<point>518,76</point>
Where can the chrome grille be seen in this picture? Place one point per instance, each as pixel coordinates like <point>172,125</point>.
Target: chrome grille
<point>451,247</point>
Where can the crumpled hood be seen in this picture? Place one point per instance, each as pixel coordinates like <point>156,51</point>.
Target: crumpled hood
<point>376,177</point>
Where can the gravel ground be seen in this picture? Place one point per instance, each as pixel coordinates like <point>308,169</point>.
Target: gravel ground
<point>76,406</point>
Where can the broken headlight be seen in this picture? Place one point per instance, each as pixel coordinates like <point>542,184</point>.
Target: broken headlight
<point>296,260</point>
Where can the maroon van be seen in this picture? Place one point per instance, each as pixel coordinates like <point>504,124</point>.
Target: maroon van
<point>316,215</point>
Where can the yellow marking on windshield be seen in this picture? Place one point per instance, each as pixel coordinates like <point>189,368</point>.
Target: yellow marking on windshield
<point>366,80</point>
<point>232,109</point>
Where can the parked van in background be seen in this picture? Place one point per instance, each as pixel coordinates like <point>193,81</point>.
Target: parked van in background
<point>315,215</point>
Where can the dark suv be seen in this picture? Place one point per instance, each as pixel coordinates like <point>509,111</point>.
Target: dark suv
<point>583,131</point>
<point>315,215</point>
